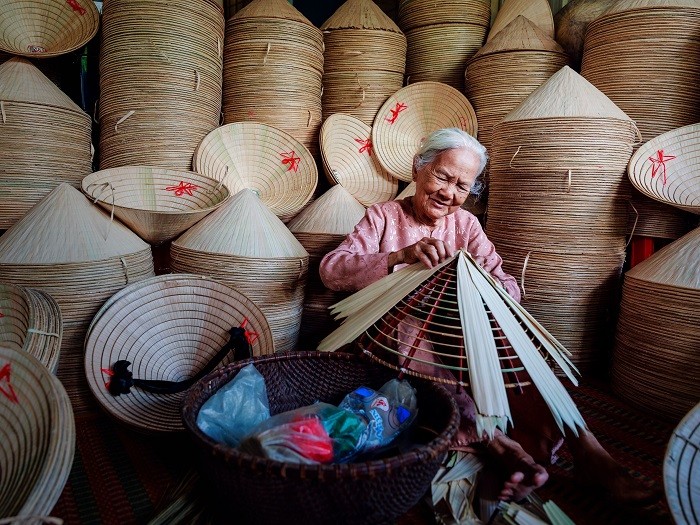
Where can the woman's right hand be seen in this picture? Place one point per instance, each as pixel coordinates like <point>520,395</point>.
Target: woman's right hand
<point>429,251</point>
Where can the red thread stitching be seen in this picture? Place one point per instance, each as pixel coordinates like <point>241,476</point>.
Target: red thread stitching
<point>182,188</point>
<point>291,159</point>
<point>250,335</point>
<point>77,7</point>
<point>366,145</point>
<point>400,106</point>
<point>8,391</point>
<point>659,163</point>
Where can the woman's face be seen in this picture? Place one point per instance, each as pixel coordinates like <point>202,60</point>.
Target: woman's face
<point>443,185</point>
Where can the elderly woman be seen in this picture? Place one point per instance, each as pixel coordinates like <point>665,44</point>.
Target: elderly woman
<point>429,227</point>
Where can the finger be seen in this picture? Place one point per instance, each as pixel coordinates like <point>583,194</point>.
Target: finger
<point>430,251</point>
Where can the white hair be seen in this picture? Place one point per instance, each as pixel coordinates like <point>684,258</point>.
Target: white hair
<point>451,138</point>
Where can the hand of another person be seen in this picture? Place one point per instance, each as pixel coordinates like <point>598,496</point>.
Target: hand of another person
<point>430,252</point>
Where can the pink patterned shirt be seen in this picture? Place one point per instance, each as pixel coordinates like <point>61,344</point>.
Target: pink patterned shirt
<point>362,258</point>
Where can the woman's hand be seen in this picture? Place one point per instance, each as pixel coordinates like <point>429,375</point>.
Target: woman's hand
<point>430,252</point>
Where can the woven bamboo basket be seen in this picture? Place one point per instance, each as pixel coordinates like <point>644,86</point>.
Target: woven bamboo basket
<point>183,322</point>
<point>632,38</point>
<point>409,115</point>
<point>37,437</point>
<point>70,249</point>
<point>35,113</point>
<point>156,203</point>
<point>46,28</point>
<point>681,479</point>
<point>322,494</point>
<point>538,12</point>
<point>30,320</point>
<point>571,22</point>
<point>158,98</point>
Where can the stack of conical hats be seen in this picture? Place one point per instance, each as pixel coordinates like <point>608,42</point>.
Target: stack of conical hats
<point>364,60</point>
<point>571,22</point>
<point>244,245</point>
<point>231,7</point>
<point>645,56</point>
<point>158,97</point>
<point>31,321</point>
<point>558,207</point>
<point>273,64</point>
<point>656,363</point>
<point>36,114</point>
<point>71,249</point>
<point>538,12</point>
<point>320,228</point>
<point>442,37</point>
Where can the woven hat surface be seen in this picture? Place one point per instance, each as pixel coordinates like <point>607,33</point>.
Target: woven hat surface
<point>667,168</point>
<point>521,34</point>
<point>349,160</point>
<point>335,212</point>
<point>538,11</point>
<point>168,327</point>
<point>264,159</point>
<point>410,115</point>
<point>156,203</point>
<point>571,22</point>
<point>45,28</point>
<point>418,13</point>
<point>37,437</point>
<point>681,476</point>
<point>271,9</point>
<point>629,5</point>
<point>360,14</point>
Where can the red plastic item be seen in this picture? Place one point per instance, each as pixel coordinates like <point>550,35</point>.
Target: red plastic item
<point>641,249</point>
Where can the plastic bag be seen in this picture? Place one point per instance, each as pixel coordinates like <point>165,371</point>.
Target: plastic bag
<point>236,408</point>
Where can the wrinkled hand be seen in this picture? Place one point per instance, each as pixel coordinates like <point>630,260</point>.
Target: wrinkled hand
<point>430,252</point>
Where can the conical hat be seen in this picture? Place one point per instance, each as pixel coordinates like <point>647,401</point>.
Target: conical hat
<point>44,28</point>
<point>676,265</point>
<point>566,94</point>
<point>360,14</point>
<point>538,11</point>
<point>65,227</point>
<point>335,212</point>
<point>21,81</point>
<point>271,9</point>
<point>245,227</point>
<point>681,475</point>
<point>520,35</point>
<point>630,5</point>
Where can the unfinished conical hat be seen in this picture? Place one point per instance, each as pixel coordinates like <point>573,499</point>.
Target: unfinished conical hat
<point>676,265</point>
<point>630,5</point>
<point>681,474</point>
<point>566,95</point>
<point>45,28</point>
<point>520,35</point>
<point>360,14</point>
<point>667,168</point>
<point>245,227</point>
<point>64,227</point>
<point>538,11</point>
<point>271,9</point>
<point>454,324</point>
<point>21,81</point>
<point>335,212</point>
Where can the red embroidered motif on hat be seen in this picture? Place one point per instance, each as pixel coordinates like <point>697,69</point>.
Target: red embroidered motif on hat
<point>77,7</point>
<point>659,163</point>
<point>250,336</point>
<point>182,188</point>
<point>109,373</point>
<point>400,106</point>
<point>6,388</point>
<point>366,145</point>
<point>291,160</point>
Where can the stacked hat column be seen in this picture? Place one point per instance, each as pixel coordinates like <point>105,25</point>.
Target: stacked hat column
<point>273,64</point>
<point>645,56</point>
<point>558,207</point>
<point>364,60</point>
<point>159,97</point>
<point>442,37</point>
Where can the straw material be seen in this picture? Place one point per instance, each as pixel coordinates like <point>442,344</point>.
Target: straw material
<point>410,115</point>
<point>168,327</point>
<point>281,9</point>
<point>156,203</point>
<point>37,437</point>
<point>264,159</point>
<point>336,212</point>
<point>46,28</point>
<point>348,160</point>
<point>158,98</point>
<point>360,14</point>
<point>630,5</point>
<point>666,168</point>
<point>419,13</point>
<point>244,245</point>
<point>571,22</point>
<point>655,362</point>
<point>30,320</point>
<point>231,7</point>
<point>538,11</point>
<point>681,476</point>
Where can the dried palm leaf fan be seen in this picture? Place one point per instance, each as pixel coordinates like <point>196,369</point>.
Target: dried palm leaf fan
<point>34,112</point>
<point>273,63</point>
<point>30,320</point>
<point>410,115</point>
<point>571,22</point>
<point>244,245</point>
<point>158,97</point>
<point>156,203</point>
<point>262,158</point>
<point>47,28</point>
<point>187,326</point>
<point>621,47</point>
<point>364,60</point>
<point>539,12</point>
<point>666,168</point>
<point>454,324</point>
<point>681,475</point>
<point>656,364</point>
<point>349,160</point>
<point>37,437</point>
<point>320,228</point>
<point>71,249</point>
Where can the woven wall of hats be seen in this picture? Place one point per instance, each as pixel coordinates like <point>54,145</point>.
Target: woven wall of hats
<point>236,151</point>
